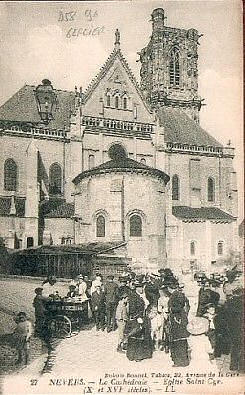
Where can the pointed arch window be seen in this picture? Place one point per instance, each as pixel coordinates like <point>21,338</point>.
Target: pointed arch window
<point>174,67</point>
<point>90,161</point>
<point>175,187</point>
<point>125,103</point>
<point>192,248</point>
<point>142,160</point>
<point>211,190</point>
<point>108,100</point>
<point>135,226</point>
<point>100,226</point>
<point>55,179</point>
<point>10,175</point>
<point>116,102</point>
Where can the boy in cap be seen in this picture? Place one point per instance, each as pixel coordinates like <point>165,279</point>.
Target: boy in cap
<point>98,307</point>
<point>21,335</point>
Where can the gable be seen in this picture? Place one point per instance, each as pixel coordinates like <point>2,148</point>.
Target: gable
<point>115,86</point>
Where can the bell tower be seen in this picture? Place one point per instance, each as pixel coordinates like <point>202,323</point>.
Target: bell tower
<point>169,71</point>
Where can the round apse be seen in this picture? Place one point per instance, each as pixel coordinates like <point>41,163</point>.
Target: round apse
<point>117,152</point>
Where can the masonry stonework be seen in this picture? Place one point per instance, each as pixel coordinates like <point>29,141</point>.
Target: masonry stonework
<point>175,176</point>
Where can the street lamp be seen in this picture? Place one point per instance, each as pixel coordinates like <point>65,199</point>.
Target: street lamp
<point>46,99</point>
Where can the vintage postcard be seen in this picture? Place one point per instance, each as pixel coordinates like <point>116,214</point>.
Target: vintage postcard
<point>121,197</point>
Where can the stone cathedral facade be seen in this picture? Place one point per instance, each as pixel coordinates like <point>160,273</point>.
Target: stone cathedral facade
<point>121,162</point>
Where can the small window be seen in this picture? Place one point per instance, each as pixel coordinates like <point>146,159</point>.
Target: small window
<point>211,190</point>
<point>135,225</point>
<point>10,175</point>
<point>29,242</point>
<point>125,103</point>
<point>90,161</point>
<point>100,226</point>
<point>174,69</point>
<point>116,102</point>
<point>193,248</point>
<point>142,160</point>
<point>175,187</point>
<point>220,248</point>
<point>55,179</point>
<point>108,101</point>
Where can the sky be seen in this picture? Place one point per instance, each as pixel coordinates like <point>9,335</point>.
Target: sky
<point>36,43</point>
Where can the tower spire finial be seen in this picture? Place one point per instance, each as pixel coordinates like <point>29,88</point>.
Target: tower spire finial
<point>117,39</point>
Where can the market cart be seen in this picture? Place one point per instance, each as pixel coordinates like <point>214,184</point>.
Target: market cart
<point>65,316</point>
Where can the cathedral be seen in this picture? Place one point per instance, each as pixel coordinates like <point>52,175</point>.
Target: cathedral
<point>121,162</point>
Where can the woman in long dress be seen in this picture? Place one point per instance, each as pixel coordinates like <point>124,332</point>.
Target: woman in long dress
<point>178,338</point>
<point>139,344</point>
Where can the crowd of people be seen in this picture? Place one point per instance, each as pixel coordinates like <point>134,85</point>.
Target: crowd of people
<point>151,312</point>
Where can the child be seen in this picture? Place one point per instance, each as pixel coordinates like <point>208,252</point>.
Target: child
<point>210,315</point>
<point>21,335</point>
<point>199,344</point>
<point>156,322</point>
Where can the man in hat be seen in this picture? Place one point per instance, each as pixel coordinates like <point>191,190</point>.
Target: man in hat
<point>234,313</point>
<point>122,318</point>
<point>136,304</point>
<point>181,288</point>
<point>151,290</point>
<point>204,297</point>
<point>111,300</point>
<point>52,287</point>
<point>123,287</point>
<point>39,304</point>
<point>177,298</point>
<point>98,307</point>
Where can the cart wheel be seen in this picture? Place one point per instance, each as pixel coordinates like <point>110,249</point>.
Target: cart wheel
<point>60,326</point>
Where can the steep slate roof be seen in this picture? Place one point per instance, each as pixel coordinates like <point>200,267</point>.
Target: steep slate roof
<point>22,107</point>
<point>179,128</point>
<point>122,165</point>
<point>5,205</point>
<point>56,208</point>
<point>185,212</point>
<point>65,210</point>
<point>116,53</point>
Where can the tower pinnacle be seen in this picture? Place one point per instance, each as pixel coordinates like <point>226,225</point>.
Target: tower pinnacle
<point>117,39</point>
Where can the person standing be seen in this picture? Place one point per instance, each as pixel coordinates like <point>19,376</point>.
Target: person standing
<point>123,287</point>
<point>177,299</point>
<point>98,307</point>
<point>139,342</point>
<point>200,346</point>
<point>204,297</point>
<point>21,337</point>
<point>151,291</point>
<point>39,304</point>
<point>111,300</point>
<point>81,290</point>
<point>162,307</point>
<point>121,319</point>
<point>234,315</point>
<point>178,337</point>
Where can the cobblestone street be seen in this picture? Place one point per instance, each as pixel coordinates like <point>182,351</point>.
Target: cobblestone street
<point>91,355</point>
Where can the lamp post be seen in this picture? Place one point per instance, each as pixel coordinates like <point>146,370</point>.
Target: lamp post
<point>46,99</point>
